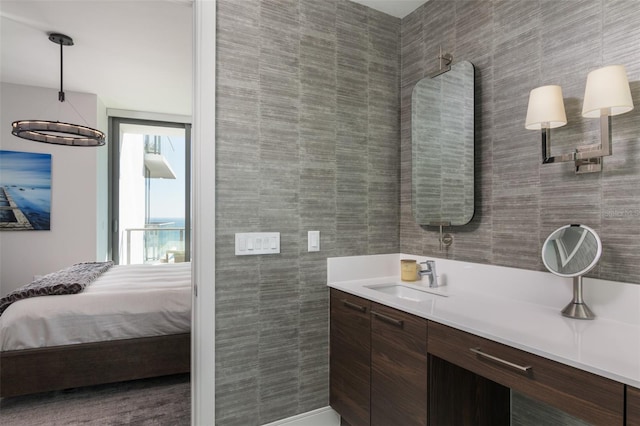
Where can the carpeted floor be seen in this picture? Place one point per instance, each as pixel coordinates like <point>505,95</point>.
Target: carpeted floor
<point>157,401</point>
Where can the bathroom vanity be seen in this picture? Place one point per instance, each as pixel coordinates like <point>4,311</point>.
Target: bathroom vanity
<point>454,355</point>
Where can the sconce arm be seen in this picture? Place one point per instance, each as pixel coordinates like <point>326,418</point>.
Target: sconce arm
<point>546,150</point>
<point>604,149</point>
<point>587,158</point>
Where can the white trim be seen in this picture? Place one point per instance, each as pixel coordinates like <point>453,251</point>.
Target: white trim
<point>203,180</point>
<point>320,417</point>
<point>144,115</point>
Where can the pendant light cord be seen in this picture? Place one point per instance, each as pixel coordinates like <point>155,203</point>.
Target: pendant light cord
<point>61,95</point>
<point>61,92</point>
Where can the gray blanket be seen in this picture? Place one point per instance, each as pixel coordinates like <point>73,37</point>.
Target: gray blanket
<point>70,280</point>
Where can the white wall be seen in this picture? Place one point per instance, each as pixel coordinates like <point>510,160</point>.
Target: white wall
<point>102,187</point>
<point>73,234</point>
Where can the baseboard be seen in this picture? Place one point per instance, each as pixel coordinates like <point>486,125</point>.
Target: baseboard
<point>320,417</point>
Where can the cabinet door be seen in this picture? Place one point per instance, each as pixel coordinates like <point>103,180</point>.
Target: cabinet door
<point>398,367</point>
<point>633,406</point>
<point>350,357</point>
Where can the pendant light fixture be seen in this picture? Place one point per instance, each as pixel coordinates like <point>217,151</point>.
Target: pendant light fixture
<point>56,132</point>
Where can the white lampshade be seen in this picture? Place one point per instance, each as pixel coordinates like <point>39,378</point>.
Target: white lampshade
<point>546,108</point>
<point>607,89</point>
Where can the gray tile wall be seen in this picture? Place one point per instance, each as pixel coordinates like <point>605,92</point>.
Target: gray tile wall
<point>517,45</point>
<point>307,139</point>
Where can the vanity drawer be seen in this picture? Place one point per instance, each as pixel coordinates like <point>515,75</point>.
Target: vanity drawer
<point>585,395</point>
<point>399,330</point>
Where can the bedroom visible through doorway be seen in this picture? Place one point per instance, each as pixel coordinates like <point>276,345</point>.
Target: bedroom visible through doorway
<point>150,197</point>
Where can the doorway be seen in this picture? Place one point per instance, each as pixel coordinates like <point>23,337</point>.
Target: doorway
<point>151,193</point>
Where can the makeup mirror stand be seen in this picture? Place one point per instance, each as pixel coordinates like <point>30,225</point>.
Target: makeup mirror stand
<point>577,308</point>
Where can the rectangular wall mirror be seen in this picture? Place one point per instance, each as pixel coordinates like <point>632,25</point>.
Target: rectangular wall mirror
<point>442,145</point>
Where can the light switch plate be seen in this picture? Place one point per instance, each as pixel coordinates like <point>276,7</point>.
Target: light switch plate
<point>313,241</point>
<point>252,243</point>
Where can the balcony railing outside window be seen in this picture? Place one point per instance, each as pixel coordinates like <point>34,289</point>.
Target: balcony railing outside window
<point>162,243</point>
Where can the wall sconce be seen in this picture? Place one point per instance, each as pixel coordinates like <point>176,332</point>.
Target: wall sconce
<point>607,94</point>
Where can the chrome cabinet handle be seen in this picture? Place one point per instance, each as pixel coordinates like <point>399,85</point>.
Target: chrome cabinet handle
<point>387,319</point>
<point>524,369</point>
<point>354,306</point>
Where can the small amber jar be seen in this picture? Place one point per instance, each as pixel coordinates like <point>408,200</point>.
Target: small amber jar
<point>408,270</point>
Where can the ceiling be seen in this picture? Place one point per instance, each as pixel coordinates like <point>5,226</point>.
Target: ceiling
<point>135,55</point>
<point>397,8</point>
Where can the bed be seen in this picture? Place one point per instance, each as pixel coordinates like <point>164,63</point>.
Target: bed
<point>131,322</point>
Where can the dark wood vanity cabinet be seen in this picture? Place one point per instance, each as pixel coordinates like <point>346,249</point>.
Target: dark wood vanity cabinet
<point>398,368</point>
<point>378,363</point>
<point>633,406</point>
<point>391,368</point>
<point>350,358</point>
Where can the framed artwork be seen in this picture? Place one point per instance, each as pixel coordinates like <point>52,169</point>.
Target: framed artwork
<point>25,191</point>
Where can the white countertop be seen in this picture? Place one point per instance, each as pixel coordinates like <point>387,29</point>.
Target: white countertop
<point>604,346</point>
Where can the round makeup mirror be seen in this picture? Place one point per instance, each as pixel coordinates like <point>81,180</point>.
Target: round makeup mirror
<point>571,251</point>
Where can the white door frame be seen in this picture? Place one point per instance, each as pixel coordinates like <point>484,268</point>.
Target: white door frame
<point>203,210</point>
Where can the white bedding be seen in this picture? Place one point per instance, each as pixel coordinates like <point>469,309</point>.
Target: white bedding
<point>127,301</point>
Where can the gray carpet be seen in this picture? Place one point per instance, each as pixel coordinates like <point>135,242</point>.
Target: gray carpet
<point>157,401</point>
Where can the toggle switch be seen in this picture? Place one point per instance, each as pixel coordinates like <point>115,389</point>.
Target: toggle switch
<point>313,241</point>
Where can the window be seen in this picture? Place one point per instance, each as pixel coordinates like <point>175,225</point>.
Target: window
<point>150,197</point>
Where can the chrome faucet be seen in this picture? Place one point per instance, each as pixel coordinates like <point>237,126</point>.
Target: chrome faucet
<point>430,271</point>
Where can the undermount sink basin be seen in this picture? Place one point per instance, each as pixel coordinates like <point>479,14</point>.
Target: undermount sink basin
<point>404,292</point>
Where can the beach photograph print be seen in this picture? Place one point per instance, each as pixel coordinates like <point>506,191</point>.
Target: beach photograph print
<point>25,191</point>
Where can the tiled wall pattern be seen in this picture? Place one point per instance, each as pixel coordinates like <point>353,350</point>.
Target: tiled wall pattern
<point>307,139</point>
<point>517,45</point>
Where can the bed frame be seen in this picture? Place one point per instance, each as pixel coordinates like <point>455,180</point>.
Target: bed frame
<point>61,367</point>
